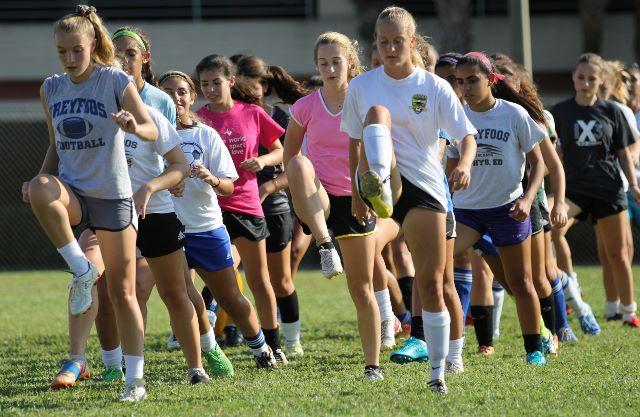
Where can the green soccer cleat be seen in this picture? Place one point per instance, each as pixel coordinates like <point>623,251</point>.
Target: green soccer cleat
<point>112,375</point>
<point>413,350</point>
<point>218,363</point>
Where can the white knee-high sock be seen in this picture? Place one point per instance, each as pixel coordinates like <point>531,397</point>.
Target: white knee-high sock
<point>73,256</point>
<point>384,304</point>
<point>378,148</point>
<point>436,332</point>
<point>498,301</point>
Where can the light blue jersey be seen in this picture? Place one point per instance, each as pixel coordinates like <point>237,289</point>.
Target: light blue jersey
<point>159,100</point>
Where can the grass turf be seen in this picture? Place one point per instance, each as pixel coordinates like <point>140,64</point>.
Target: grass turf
<point>597,376</point>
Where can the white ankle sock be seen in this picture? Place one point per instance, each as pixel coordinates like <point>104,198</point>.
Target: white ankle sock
<point>291,331</point>
<point>208,341</point>
<point>455,351</point>
<point>611,308</point>
<point>384,304</point>
<point>378,149</point>
<point>436,332</point>
<point>629,311</point>
<point>134,368</point>
<point>73,256</point>
<point>112,358</point>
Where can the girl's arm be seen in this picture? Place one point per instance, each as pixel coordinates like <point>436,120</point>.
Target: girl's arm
<point>177,170</point>
<point>627,167</point>
<point>274,157</point>
<point>460,176</point>
<point>273,186</point>
<point>556,171</point>
<point>133,118</point>
<point>294,136</point>
<point>522,206</point>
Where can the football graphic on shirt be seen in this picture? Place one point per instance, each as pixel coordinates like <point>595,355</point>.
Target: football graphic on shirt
<point>74,127</point>
<point>192,152</point>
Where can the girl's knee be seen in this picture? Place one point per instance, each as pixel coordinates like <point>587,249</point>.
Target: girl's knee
<point>378,114</point>
<point>43,188</point>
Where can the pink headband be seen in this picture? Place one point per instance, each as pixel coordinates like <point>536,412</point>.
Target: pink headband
<point>496,76</point>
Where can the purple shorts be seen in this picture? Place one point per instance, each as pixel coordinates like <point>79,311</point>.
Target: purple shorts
<point>495,222</point>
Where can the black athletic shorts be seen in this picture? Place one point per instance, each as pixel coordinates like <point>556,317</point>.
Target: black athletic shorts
<point>159,234</point>
<point>280,231</point>
<point>248,226</point>
<point>341,223</point>
<point>413,197</point>
<point>598,208</point>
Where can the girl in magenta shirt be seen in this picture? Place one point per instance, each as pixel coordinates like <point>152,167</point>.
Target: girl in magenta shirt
<point>320,184</point>
<point>243,126</point>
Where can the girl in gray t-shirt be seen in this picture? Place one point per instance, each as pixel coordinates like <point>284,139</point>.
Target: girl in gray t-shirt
<point>84,179</point>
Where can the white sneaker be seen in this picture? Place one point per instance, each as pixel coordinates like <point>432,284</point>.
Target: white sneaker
<point>373,375</point>
<point>134,392</point>
<point>294,350</point>
<point>438,386</point>
<point>388,339</point>
<point>80,294</point>
<point>330,262</point>
<point>172,342</point>
<point>453,368</point>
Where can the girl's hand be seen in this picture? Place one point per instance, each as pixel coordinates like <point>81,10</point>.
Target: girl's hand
<point>359,209</point>
<point>635,193</point>
<point>141,199</point>
<point>460,177</point>
<point>125,121</point>
<point>199,171</point>
<point>178,189</point>
<point>520,210</point>
<point>25,191</point>
<point>253,165</point>
<point>558,215</point>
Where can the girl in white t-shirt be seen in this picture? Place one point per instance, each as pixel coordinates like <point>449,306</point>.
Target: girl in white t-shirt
<point>396,112</point>
<point>207,243</point>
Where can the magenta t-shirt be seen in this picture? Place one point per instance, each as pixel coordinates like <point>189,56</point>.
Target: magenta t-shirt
<point>243,129</point>
<point>327,146</point>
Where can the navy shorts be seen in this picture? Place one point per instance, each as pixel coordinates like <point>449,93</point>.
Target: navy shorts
<point>495,222</point>
<point>210,250</point>
<point>485,246</point>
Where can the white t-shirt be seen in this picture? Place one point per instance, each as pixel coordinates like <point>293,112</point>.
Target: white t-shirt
<point>506,133</point>
<point>633,125</point>
<point>198,208</point>
<point>420,105</point>
<point>145,161</point>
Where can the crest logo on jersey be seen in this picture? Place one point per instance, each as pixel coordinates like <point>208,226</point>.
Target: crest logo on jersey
<point>418,103</point>
<point>74,127</point>
<point>192,152</point>
<point>588,133</point>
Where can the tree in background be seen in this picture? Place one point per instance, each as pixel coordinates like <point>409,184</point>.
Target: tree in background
<point>591,16</point>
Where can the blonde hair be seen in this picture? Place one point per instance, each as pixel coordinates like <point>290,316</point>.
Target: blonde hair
<point>86,21</point>
<point>422,50</point>
<point>350,46</point>
<point>619,91</point>
<point>592,59</point>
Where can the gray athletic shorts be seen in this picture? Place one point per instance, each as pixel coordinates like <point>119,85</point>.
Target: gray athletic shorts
<point>110,215</point>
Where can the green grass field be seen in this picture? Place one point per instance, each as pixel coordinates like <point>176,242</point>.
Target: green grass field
<point>598,376</point>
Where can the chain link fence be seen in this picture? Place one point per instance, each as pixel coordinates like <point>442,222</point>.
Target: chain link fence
<point>23,244</point>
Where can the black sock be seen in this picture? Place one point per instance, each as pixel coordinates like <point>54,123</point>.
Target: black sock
<point>548,311</point>
<point>288,306</point>
<point>272,337</point>
<point>326,245</point>
<point>367,367</point>
<point>532,343</point>
<point>207,297</point>
<point>483,323</point>
<point>417,330</point>
<point>406,287</point>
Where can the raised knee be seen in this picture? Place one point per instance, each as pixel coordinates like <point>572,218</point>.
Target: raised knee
<point>378,114</point>
<point>44,187</point>
<point>298,163</point>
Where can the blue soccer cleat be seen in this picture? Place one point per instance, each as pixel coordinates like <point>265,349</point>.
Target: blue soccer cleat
<point>413,350</point>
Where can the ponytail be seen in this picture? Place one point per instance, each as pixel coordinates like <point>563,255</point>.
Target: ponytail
<point>85,20</point>
<point>286,87</point>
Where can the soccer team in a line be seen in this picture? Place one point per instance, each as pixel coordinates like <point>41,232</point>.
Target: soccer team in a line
<point>360,152</point>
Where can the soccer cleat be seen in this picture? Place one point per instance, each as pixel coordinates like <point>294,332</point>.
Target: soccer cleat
<point>615,317</point>
<point>548,345</point>
<point>199,376</point>
<point>134,392</point>
<point>536,358</point>
<point>232,336</point>
<point>378,192</point>
<point>388,339</point>
<point>566,335</point>
<point>294,350</point>
<point>112,375</point>
<point>634,323</point>
<point>172,342</point>
<point>373,374</point>
<point>438,386</point>
<point>80,294</point>
<point>330,263</point>
<point>266,360</point>
<point>453,368</point>
<point>588,324</point>
<point>71,372</point>
<point>218,363</point>
<point>413,350</point>
<point>281,358</point>
<point>486,350</point>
